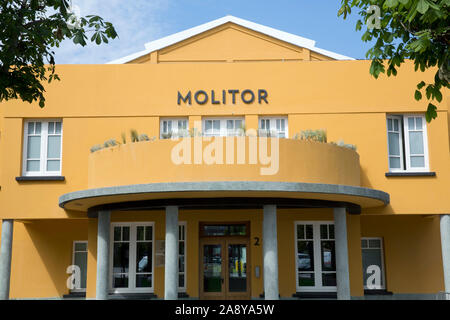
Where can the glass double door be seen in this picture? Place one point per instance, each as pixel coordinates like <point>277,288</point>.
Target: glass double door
<point>225,268</point>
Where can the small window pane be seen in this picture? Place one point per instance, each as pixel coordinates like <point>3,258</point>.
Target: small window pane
<point>374,243</point>
<point>329,279</point>
<point>323,231</point>
<point>140,233</point>
<point>300,231</point>
<point>54,147</point>
<point>394,143</point>
<point>417,162</point>
<point>389,124</point>
<point>394,163</point>
<point>33,165</point>
<point>144,257</point>
<point>143,280</point>
<point>169,126</point>
<point>396,124</point>
<point>125,233</point>
<point>306,280</point>
<point>81,262</point>
<point>57,127</point>
<point>418,123</point>
<point>80,246</point>
<point>53,165</point>
<point>331,230</point>
<point>411,124</point>
<point>120,281</point>
<point>230,124</point>
<point>164,127</point>
<point>117,233</point>
<point>51,127</point>
<point>148,233</point>
<point>416,142</point>
<point>216,124</point>
<point>38,128</point>
<point>30,127</point>
<point>309,231</point>
<point>208,125</point>
<point>34,147</point>
<point>305,255</point>
<point>364,243</point>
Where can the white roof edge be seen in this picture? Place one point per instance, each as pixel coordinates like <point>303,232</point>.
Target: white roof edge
<point>183,35</point>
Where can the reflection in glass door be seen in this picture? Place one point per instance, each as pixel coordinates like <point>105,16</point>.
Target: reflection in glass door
<point>212,269</point>
<point>224,269</point>
<point>237,269</point>
<point>132,257</point>
<point>315,256</point>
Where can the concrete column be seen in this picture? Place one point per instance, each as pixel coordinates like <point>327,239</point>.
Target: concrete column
<point>103,247</point>
<point>445,245</point>
<point>5,258</point>
<point>171,254</point>
<point>270,252</point>
<point>341,245</point>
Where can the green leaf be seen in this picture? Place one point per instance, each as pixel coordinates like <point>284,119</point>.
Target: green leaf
<point>391,3</point>
<point>431,112</point>
<point>421,85</point>
<point>417,95</point>
<point>422,6</point>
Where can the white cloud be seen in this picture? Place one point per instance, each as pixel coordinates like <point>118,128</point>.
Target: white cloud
<point>136,22</point>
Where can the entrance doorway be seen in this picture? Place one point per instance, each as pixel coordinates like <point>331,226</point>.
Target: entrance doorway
<point>224,261</point>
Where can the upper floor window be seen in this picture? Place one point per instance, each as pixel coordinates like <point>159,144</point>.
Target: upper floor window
<point>42,148</point>
<point>273,127</point>
<point>407,143</point>
<point>174,128</point>
<point>223,126</point>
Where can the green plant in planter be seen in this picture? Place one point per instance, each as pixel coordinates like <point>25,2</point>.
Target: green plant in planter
<point>143,137</point>
<point>166,135</point>
<point>96,148</point>
<point>319,135</point>
<point>110,143</point>
<point>134,135</point>
<point>341,143</point>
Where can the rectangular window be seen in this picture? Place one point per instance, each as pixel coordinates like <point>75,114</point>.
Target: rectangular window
<point>273,127</point>
<point>182,256</point>
<point>315,256</point>
<point>42,148</point>
<point>223,127</point>
<point>132,257</point>
<point>174,128</point>
<point>79,258</point>
<point>407,143</point>
<point>372,255</point>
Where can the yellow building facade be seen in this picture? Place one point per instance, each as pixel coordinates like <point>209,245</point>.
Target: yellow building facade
<point>198,168</point>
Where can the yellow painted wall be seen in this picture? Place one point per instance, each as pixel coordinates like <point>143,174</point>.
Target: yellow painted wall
<point>42,251</point>
<point>412,251</point>
<point>353,112</point>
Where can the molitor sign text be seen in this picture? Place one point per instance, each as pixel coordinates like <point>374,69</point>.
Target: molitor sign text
<point>247,96</point>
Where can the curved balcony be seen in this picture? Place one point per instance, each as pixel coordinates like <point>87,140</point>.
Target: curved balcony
<point>164,161</point>
<point>219,167</point>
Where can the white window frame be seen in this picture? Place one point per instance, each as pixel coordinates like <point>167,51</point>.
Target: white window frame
<point>273,124</point>
<point>174,132</point>
<point>317,258</point>
<point>43,152</point>
<point>132,258</point>
<point>223,131</point>
<point>383,275</point>
<point>184,224</point>
<point>405,155</point>
<point>73,260</point>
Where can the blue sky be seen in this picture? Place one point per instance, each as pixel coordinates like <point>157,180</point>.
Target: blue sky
<point>141,21</point>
